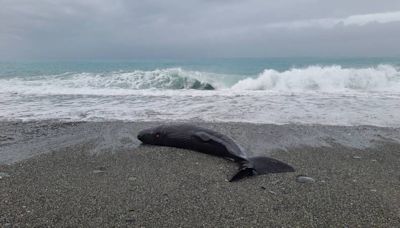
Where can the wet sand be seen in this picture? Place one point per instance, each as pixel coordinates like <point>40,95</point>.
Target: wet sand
<point>98,175</point>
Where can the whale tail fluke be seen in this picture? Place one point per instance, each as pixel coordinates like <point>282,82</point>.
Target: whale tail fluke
<point>261,165</point>
<point>244,172</point>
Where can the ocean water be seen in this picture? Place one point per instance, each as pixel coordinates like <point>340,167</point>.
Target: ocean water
<point>347,91</point>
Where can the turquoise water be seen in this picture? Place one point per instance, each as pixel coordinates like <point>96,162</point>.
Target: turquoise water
<point>342,91</point>
<point>237,66</point>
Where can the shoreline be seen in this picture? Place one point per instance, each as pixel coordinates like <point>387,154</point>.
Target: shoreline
<point>96,174</point>
<point>21,140</point>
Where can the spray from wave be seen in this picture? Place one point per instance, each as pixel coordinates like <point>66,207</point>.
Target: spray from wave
<point>326,79</point>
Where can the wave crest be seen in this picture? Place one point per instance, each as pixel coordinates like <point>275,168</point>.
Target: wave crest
<point>325,78</point>
<point>172,78</point>
<point>334,78</point>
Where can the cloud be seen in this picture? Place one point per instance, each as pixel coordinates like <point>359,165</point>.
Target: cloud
<point>70,29</point>
<point>362,20</point>
<point>354,20</point>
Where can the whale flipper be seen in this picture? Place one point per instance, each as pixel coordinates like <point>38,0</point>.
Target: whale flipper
<point>203,136</point>
<point>245,172</point>
<point>218,140</point>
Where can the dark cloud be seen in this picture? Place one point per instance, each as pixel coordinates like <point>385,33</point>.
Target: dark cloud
<point>69,29</point>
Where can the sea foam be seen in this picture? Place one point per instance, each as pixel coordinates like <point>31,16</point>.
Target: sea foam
<point>334,78</point>
<point>325,78</point>
<point>311,95</point>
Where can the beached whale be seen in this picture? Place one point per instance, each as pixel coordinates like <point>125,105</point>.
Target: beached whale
<point>207,141</point>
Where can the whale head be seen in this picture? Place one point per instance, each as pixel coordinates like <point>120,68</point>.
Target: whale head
<point>153,136</point>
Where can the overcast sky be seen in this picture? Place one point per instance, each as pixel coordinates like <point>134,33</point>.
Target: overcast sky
<point>119,29</point>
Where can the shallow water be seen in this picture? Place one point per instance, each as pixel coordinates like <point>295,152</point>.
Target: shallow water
<point>305,91</point>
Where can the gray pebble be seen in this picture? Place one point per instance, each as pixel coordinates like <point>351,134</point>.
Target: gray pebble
<point>2,175</point>
<point>272,192</point>
<point>130,220</point>
<point>98,171</point>
<point>304,179</point>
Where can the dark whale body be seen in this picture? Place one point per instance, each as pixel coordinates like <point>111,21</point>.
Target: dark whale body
<point>207,141</point>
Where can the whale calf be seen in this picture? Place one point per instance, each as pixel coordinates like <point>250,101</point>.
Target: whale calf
<point>207,141</point>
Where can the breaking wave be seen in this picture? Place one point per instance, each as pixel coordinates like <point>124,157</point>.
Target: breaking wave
<point>169,79</point>
<point>325,78</point>
<point>313,78</point>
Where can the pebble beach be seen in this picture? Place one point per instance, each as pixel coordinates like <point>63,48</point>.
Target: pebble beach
<point>80,174</point>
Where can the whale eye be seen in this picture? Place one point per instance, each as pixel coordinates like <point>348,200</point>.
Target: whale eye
<point>157,135</point>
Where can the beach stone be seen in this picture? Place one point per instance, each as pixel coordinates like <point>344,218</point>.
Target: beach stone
<point>130,220</point>
<point>3,175</point>
<point>272,192</point>
<point>131,178</point>
<point>99,171</point>
<point>304,179</point>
